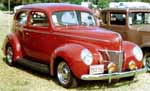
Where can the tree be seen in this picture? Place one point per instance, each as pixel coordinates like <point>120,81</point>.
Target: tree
<point>146,1</point>
<point>12,3</point>
<point>103,3</point>
<point>73,1</point>
<point>100,3</point>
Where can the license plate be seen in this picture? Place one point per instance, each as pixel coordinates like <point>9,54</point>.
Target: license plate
<point>96,69</point>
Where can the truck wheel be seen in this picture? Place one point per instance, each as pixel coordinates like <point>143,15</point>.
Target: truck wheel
<point>64,76</point>
<point>9,55</point>
<point>147,60</point>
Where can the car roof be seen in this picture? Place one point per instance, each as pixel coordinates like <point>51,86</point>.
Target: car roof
<point>128,9</point>
<point>55,6</point>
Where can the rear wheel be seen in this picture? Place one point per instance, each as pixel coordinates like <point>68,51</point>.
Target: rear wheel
<point>64,76</point>
<point>9,55</point>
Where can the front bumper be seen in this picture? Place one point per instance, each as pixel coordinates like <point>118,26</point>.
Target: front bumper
<point>113,75</point>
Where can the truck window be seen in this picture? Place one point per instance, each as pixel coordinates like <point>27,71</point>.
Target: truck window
<point>136,18</point>
<point>117,18</point>
<point>104,17</point>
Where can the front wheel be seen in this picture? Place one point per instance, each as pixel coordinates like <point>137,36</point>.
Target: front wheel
<point>64,76</point>
<point>131,78</point>
<point>147,60</point>
<point>9,55</point>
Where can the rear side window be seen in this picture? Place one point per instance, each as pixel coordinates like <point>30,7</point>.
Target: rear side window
<point>38,19</point>
<point>117,18</point>
<point>22,18</point>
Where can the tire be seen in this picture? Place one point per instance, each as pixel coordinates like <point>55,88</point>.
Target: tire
<point>131,78</point>
<point>9,55</point>
<point>64,76</point>
<point>147,60</point>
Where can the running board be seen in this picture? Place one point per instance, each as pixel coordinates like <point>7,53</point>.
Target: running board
<point>44,68</point>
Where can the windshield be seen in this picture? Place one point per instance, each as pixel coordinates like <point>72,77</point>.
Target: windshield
<point>63,18</point>
<point>136,18</point>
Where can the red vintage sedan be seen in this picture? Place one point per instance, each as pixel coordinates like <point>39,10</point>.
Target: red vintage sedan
<point>64,39</point>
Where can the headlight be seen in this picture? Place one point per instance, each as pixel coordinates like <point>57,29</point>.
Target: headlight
<point>86,56</point>
<point>138,53</point>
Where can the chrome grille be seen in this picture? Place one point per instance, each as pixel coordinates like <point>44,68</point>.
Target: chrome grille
<point>115,57</point>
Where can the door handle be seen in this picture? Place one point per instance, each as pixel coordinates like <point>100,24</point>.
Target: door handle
<point>26,33</point>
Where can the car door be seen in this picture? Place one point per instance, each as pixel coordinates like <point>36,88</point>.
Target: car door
<point>37,40</point>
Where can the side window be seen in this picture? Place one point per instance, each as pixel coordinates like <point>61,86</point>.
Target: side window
<point>64,18</point>
<point>69,17</point>
<point>38,19</point>
<point>117,18</point>
<point>104,17</point>
<point>87,19</point>
<point>147,18</point>
<point>22,18</point>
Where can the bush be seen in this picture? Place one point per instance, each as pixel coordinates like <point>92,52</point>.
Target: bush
<point>2,7</point>
<point>103,3</point>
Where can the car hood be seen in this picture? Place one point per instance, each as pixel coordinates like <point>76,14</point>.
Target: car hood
<point>141,27</point>
<point>101,36</point>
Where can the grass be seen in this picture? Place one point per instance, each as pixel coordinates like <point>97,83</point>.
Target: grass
<point>20,78</point>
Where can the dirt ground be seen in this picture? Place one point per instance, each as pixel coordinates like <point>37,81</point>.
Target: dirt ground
<point>20,78</point>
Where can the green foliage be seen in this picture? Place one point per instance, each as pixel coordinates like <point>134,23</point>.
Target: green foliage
<point>103,3</point>
<point>146,1</point>
<point>73,1</point>
<point>3,8</point>
<point>12,4</point>
<point>120,0</point>
<point>100,3</point>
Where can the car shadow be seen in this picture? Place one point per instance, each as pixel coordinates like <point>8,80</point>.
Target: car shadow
<point>95,85</point>
<point>31,71</point>
<point>83,85</point>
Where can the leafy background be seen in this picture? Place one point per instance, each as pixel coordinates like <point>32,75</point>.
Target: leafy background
<point>100,3</point>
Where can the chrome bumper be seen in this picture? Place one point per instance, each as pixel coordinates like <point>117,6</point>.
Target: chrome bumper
<point>113,75</point>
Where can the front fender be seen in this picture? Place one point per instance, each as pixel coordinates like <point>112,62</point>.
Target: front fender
<point>71,55</point>
<point>129,56</point>
<point>12,39</point>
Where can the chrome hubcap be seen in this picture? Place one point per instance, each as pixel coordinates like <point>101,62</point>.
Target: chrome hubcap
<point>63,73</point>
<point>9,55</point>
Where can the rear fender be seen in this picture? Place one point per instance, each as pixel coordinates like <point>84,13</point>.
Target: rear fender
<point>14,42</point>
